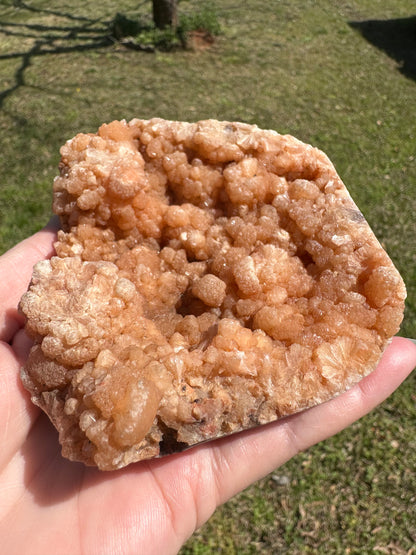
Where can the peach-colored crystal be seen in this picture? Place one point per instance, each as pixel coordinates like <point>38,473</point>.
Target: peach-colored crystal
<point>209,277</point>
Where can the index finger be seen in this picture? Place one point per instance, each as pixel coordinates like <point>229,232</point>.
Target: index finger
<point>16,267</point>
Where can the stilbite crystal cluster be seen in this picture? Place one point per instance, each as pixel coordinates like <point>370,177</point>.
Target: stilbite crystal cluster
<point>209,277</point>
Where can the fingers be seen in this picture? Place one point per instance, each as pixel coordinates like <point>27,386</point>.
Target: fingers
<point>16,412</point>
<point>15,273</point>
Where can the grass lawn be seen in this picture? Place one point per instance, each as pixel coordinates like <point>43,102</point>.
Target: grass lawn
<point>312,69</point>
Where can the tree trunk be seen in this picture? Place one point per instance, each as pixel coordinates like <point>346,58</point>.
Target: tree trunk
<point>165,13</point>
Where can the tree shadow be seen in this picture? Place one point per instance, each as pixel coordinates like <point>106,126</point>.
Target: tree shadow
<point>396,37</point>
<point>76,34</point>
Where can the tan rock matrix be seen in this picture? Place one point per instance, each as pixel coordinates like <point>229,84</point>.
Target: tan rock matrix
<point>209,277</point>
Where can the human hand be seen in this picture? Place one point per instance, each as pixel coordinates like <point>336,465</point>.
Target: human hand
<point>51,505</point>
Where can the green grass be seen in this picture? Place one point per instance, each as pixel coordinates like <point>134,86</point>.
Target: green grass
<point>297,67</point>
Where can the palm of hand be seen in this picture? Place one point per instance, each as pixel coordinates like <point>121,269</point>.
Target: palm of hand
<point>51,505</point>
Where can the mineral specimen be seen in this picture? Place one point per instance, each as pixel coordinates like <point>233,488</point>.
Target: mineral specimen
<point>209,277</point>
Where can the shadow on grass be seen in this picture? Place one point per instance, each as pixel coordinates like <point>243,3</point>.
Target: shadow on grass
<point>76,34</point>
<point>396,37</point>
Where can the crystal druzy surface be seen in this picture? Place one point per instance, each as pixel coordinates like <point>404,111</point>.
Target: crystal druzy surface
<point>209,277</point>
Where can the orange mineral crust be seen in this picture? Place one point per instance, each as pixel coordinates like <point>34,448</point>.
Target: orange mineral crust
<point>209,277</point>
